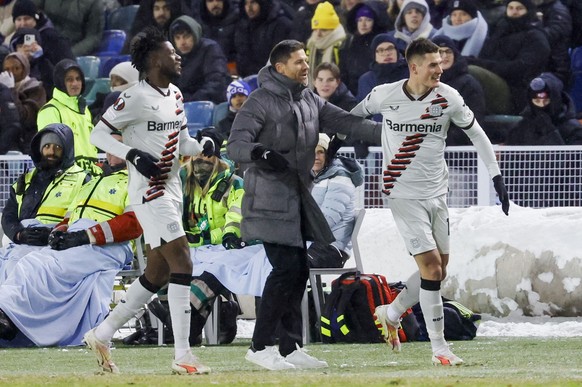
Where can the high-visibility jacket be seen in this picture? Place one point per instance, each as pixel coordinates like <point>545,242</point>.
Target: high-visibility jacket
<point>58,195</point>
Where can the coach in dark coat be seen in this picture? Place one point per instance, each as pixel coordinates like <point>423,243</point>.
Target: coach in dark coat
<point>275,134</point>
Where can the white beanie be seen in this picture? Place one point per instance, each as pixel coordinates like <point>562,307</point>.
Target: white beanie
<point>323,141</point>
<point>126,71</point>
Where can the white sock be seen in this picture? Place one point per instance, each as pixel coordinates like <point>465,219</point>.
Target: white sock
<point>431,304</point>
<point>407,298</point>
<point>179,303</point>
<point>137,296</point>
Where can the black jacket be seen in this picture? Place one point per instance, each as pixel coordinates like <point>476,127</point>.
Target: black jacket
<point>221,29</point>
<point>10,122</point>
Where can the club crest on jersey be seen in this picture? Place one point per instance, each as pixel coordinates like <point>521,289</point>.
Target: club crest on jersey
<point>436,108</point>
<point>119,104</point>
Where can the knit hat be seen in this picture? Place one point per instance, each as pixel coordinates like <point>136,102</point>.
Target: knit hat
<point>126,71</point>
<point>412,4</point>
<point>365,11</point>
<point>237,87</point>
<point>50,138</point>
<point>529,4</point>
<point>325,17</point>
<point>323,141</point>
<point>464,5</point>
<point>382,38</point>
<point>445,41</point>
<point>538,88</point>
<point>25,7</point>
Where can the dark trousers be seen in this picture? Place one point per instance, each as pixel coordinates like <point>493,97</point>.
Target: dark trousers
<point>281,299</point>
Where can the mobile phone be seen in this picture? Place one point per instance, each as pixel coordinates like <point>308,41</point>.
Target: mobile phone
<point>29,39</point>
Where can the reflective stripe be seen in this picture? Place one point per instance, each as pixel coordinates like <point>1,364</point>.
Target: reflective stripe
<point>107,233</point>
<point>325,332</point>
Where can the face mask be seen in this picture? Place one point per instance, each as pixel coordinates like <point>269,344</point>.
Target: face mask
<point>202,170</point>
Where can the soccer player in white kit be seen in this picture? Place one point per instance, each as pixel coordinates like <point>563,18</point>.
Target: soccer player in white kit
<point>151,117</point>
<point>416,114</point>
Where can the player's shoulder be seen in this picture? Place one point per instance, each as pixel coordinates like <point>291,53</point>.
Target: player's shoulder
<point>449,92</point>
<point>388,87</point>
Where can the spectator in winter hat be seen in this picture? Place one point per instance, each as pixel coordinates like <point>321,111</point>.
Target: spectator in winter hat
<point>236,95</point>
<point>466,26</point>
<point>326,39</point>
<point>412,22</point>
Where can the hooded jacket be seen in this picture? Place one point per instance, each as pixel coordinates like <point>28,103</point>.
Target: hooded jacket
<point>10,122</point>
<point>555,124</point>
<point>44,193</point>
<point>72,111</point>
<point>204,72</point>
<point>221,28</point>
<point>401,32</point>
<point>285,116</point>
<point>334,190</point>
<point>256,38</point>
<point>41,67</point>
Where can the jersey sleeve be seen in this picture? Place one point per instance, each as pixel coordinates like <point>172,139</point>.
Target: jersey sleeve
<point>462,115</point>
<point>369,105</point>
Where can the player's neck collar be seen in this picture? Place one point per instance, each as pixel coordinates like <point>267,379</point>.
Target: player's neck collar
<point>159,90</point>
<point>412,97</point>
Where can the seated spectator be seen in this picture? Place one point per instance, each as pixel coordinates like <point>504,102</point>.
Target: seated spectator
<point>549,117</point>
<point>364,21</point>
<point>438,11</point>
<point>159,13</point>
<point>412,22</point>
<point>121,77</point>
<point>27,41</point>
<point>556,22</point>
<point>28,94</point>
<point>204,73</point>
<point>218,19</point>
<point>43,195</point>
<point>82,22</point>
<point>56,46</point>
<point>334,190</point>
<point>262,24</point>
<point>388,66</point>
<point>456,74</point>
<point>326,39</point>
<point>236,95</point>
<point>301,30</point>
<point>515,52</point>
<point>52,296</point>
<point>466,26</point>
<point>328,85</point>
<point>69,107</point>
<point>10,122</point>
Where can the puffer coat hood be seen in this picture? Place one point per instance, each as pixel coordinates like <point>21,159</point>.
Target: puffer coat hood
<point>65,134</point>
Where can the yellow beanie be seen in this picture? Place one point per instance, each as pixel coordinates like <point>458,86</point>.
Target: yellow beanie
<point>324,17</point>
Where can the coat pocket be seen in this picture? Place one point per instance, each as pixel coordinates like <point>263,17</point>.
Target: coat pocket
<point>270,193</point>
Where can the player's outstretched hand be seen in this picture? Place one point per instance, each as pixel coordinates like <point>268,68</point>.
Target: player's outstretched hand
<point>211,142</point>
<point>499,186</point>
<point>274,159</point>
<point>145,163</point>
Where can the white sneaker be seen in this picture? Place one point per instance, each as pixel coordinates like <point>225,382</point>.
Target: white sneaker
<point>446,358</point>
<point>269,358</point>
<point>389,327</point>
<point>301,360</point>
<point>102,352</point>
<point>189,364</point>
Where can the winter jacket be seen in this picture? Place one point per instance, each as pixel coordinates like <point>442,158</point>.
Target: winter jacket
<point>73,112</point>
<point>516,51</point>
<point>82,21</point>
<point>301,29</point>
<point>285,116</point>
<point>380,74</point>
<point>342,98</point>
<point>223,215</point>
<point>255,38</point>
<point>204,72</point>
<point>34,191</point>
<point>401,33</point>
<point>221,28</point>
<point>555,124</point>
<point>469,37</point>
<point>334,190</point>
<point>10,123</point>
<point>56,46</point>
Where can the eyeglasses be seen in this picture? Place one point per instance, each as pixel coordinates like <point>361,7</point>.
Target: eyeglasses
<point>446,51</point>
<point>385,50</point>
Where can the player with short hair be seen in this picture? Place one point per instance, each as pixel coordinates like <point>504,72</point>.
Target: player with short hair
<point>416,115</point>
<point>151,117</point>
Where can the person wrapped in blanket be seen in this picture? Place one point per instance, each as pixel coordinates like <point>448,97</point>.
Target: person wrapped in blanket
<point>212,214</point>
<point>52,295</point>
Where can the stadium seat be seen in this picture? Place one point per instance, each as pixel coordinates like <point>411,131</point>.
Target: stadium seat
<point>122,18</point>
<point>252,80</point>
<point>101,85</point>
<point>111,43</point>
<point>199,115</point>
<point>220,111</point>
<point>108,62</point>
<point>89,65</point>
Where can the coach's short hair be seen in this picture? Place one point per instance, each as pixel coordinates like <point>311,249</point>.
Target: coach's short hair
<point>419,47</point>
<point>283,50</point>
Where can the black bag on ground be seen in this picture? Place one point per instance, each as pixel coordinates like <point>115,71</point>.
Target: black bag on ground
<point>460,321</point>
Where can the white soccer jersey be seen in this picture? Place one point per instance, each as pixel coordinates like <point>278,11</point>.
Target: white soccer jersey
<point>413,136</point>
<point>151,120</point>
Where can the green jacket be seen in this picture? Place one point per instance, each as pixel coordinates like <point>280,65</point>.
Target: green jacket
<point>223,215</point>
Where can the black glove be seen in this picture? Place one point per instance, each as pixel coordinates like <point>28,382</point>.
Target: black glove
<point>334,145</point>
<point>273,158</point>
<point>60,240</point>
<point>193,238</point>
<point>231,241</point>
<point>34,236</point>
<point>502,193</point>
<point>145,163</point>
<point>210,148</point>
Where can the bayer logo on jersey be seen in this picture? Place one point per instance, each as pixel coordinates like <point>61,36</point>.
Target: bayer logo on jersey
<point>435,110</point>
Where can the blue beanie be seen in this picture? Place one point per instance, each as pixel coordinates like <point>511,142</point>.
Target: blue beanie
<point>237,87</point>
